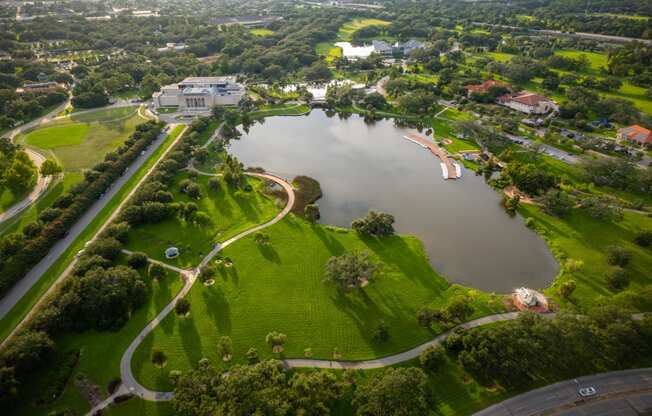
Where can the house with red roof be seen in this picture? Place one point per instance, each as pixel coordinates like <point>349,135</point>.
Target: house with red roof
<point>528,103</point>
<point>635,134</point>
<point>485,87</point>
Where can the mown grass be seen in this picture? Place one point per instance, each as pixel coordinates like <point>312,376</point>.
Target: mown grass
<point>8,198</point>
<point>328,50</point>
<point>101,351</point>
<point>231,211</point>
<point>15,315</point>
<point>281,110</point>
<point>280,287</point>
<point>261,32</point>
<point>346,31</point>
<point>81,141</point>
<point>581,237</point>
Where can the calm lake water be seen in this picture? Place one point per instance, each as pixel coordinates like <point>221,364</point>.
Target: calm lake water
<point>467,234</point>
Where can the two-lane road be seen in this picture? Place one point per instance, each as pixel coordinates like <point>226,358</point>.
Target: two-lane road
<point>622,393</point>
<point>25,284</point>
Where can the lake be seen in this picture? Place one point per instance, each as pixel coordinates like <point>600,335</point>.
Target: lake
<point>466,232</point>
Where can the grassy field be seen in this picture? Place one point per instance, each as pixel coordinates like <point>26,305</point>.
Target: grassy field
<point>261,32</point>
<point>230,211</point>
<point>14,316</point>
<point>328,50</point>
<point>281,110</point>
<point>80,141</point>
<point>346,31</point>
<point>8,198</point>
<point>102,351</point>
<point>580,237</point>
<point>280,287</point>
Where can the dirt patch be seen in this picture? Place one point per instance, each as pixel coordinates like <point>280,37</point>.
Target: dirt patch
<point>511,191</point>
<point>364,282</point>
<point>307,191</point>
<point>277,349</point>
<point>447,141</point>
<point>88,389</point>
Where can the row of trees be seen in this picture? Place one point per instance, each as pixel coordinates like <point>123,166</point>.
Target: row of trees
<point>17,171</point>
<point>20,251</point>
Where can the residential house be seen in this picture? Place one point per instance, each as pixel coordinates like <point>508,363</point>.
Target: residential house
<point>528,103</point>
<point>403,48</point>
<point>485,87</point>
<point>635,134</point>
<point>40,88</point>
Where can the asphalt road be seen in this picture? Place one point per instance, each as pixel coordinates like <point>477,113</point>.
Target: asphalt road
<point>624,393</point>
<point>18,291</point>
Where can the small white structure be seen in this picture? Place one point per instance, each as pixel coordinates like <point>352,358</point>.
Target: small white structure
<point>171,252</point>
<point>176,47</point>
<point>200,93</point>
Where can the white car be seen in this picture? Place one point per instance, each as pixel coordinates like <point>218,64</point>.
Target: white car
<point>587,391</point>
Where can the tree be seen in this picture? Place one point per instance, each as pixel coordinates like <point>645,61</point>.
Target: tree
<point>529,178</point>
<point>311,212</point>
<point>21,174</point>
<point>50,168</point>
<point>381,332</point>
<point>261,239</point>
<point>156,271</point>
<point>425,316</point>
<point>276,340</point>
<point>602,207</point>
<point>458,309</point>
<point>158,357</point>
<point>567,288</point>
<point>8,385</point>
<point>28,350</point>
<point>643,238</point>
<point>432,359</point>
<point>252,356</point>
<point>137,260</point>
<point>617,279</point>
<point>618,256</point>
<point>375,100</point>
<point>225,348</point>
<point>214,184</point>
<point>314,392</point>
<point>182,307</point>
<point>556,202</point>
<point>350,270</point>
<point>375,223</point>
<point>395,392</point>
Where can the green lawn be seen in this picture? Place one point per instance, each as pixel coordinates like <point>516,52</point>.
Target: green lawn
<point>347,29</point>
<point>15,315</point>
<point>328,50</point>
<point>231,212</point>
<point>102,351</point>
<point>261,32</point>
<point>80,141</point>
<point>580,237</point>
<point>8,198</point>
<point>281,110</point>
<point>280,287</point>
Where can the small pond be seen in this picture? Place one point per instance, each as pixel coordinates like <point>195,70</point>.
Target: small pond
<point>467,234</point>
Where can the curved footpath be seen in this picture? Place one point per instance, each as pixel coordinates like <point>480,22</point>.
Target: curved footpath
<point>129,382</point>
<point>41,186</point>
<point>25,284</point>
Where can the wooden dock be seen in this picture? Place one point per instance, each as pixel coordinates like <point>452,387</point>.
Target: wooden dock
<point>450,169</point>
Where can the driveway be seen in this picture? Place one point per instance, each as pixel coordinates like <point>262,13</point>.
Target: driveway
<point>627,392</point>
<point>545,149</point>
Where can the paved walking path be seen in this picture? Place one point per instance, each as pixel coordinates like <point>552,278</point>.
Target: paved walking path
<point>17,292</point>
<point>42,183</point>
<point>130,384</point>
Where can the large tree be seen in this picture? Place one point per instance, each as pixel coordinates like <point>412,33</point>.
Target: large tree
<point>350,270</point>
<point>395,392</point>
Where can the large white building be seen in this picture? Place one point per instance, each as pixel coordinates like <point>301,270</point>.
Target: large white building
<point>200,93</point>
<point>528,103</point>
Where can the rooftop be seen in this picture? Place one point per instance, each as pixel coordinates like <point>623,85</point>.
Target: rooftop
<point>524,97</point>
<point>636,133</point>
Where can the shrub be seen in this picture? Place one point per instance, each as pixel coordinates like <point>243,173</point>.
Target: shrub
<point>156,271</point>
<point>158,357</point>
<point>643,238</point>
<point>214,184</point>
<point>425,316</point>
<point>252,356</point>
<point>107,247</point>
<point>617,279</point>
<point>182,307</point>
<point>137,260</point>
<point>618,256</point>
<point>432,359</point>
<point>381,332</point>
<point>566,289</point>
<point>375,223</point>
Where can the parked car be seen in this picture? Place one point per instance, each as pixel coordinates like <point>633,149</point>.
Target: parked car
<point>587,391</point>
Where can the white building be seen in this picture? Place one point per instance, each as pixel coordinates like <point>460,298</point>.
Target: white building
<point>173,47</point>
<point>200,93</point>
<point>528,103</point>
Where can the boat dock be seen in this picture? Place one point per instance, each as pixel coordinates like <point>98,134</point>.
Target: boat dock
<point>449,167</point>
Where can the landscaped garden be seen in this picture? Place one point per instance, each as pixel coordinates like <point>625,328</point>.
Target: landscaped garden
<point>280,287</point>
<point>229,211</point>
<point>79,141</point>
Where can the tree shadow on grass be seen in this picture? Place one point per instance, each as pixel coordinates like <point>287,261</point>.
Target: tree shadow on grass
<point>218,309</point>
<point>190,339</point>
<point>269,252</point>
<point>332,244</point>
<point>394,251</point>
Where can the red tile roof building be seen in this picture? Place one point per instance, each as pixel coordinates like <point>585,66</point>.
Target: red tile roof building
<point>485,87</point>
<point>636,134</point>
<point>528,102</point>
